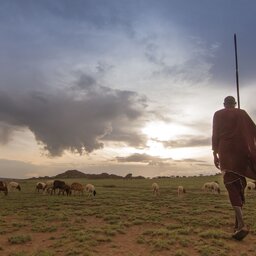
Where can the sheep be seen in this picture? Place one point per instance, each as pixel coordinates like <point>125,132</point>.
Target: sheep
<point>250,185</point>
<point>181,190</point>
<point>14,185</point>
<point>155,189</point>
<point>77,187</point>
<point>3,187</point>
<point>40,186</point>
<point>211,187</point>
<point>49,186</point>
<point>49,183</point>
<point>215,187</point>
<point>90,189</point>
<point>206,186</point>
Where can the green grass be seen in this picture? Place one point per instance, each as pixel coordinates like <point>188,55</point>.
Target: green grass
<point>123,210</point>
<point>19,239</point>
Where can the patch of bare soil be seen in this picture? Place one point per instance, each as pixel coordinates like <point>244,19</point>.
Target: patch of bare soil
<point>39,240</point>
<point>125,244</point>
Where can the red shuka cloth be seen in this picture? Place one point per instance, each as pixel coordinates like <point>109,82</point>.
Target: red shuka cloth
<point>234,139</point>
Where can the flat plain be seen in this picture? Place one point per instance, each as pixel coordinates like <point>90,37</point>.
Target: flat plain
<point>124,218</point>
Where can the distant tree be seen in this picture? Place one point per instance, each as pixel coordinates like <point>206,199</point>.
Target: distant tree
<point>128,176</point>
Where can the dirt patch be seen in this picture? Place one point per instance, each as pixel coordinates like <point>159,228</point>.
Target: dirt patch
<point>125,244</point>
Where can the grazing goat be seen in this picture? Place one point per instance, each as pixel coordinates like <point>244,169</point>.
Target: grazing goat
<point>90,189</point>
<point>250,185</point>
<point>3,187</point>
<point>155,189</point>
<point>211,187</point>
<point>181,190</point>
<point>14,185</point>
<point>49,186</point>
<point>40,186</point>
<point>77,187</point>
<point>62,186</point>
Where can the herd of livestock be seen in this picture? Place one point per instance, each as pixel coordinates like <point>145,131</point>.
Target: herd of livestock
<point>60,187</point>
<point>52,187</point>
<point>212,187</point>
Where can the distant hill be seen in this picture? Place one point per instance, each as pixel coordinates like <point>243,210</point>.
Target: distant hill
<point>74,174</point>
<point>71,174</point>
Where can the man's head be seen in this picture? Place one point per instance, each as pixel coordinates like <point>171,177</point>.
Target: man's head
<point>229,102</point>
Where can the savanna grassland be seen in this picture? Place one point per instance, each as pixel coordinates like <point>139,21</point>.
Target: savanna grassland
<point>124,219</point>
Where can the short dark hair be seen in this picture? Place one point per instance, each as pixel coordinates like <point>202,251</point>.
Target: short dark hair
<point>230,100</point>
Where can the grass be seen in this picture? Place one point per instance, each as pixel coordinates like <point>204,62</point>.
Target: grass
<point>19,239</point>
<point>123,210</point>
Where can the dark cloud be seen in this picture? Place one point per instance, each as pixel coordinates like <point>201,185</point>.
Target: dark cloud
<point>206,165</point>
<point>141,158</point>
<point>190,160</point>
<point>158,161</point>
<point>5,132</point>
<point>77,120</point>
<point>188,141</point>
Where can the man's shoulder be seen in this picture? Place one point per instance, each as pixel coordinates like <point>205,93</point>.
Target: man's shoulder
<point>219,111</point>
<point>229,110</point>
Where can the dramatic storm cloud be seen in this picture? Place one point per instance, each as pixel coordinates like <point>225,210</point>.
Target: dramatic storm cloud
<point>79,119</point>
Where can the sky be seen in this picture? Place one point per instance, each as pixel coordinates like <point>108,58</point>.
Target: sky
<point>119,86</point>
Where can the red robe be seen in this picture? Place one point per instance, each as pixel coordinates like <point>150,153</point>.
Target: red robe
<point>234,139</point>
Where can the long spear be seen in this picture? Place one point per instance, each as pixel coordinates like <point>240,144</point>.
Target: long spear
<point>237,80</point>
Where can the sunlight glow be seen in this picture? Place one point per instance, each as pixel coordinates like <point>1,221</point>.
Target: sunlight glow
<point>164,131</point>
<point>157,149</point>
<point>160,131</point>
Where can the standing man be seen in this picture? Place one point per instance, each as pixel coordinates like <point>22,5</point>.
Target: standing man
<point>234,151</point>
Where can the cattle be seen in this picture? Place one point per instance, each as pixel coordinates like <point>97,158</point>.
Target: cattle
<point>3,187</point>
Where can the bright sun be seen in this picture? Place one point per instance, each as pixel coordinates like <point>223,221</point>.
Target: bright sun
<point>164,131</point>
<point>159,131</point>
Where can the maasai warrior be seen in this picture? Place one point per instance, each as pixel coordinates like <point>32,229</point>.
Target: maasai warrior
<point>234,151</point>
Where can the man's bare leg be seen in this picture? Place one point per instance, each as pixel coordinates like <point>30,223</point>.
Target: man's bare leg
<point>241,231</point>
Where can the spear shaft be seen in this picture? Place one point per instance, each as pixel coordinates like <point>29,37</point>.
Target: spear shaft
<point>237,79</point>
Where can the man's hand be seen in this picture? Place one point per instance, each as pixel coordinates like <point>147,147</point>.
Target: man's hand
<point>216,160</point>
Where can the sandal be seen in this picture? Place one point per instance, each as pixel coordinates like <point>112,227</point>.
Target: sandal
<point>240,234</point>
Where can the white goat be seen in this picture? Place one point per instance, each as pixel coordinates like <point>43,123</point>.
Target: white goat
<point>211,187</point>
<point>14,185</point>
<point>49,186</point>
<point>181,190</point>
<point>155,189</point>
<point>90,189</point>
<point>250,186</point>
<point>40,186</point>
